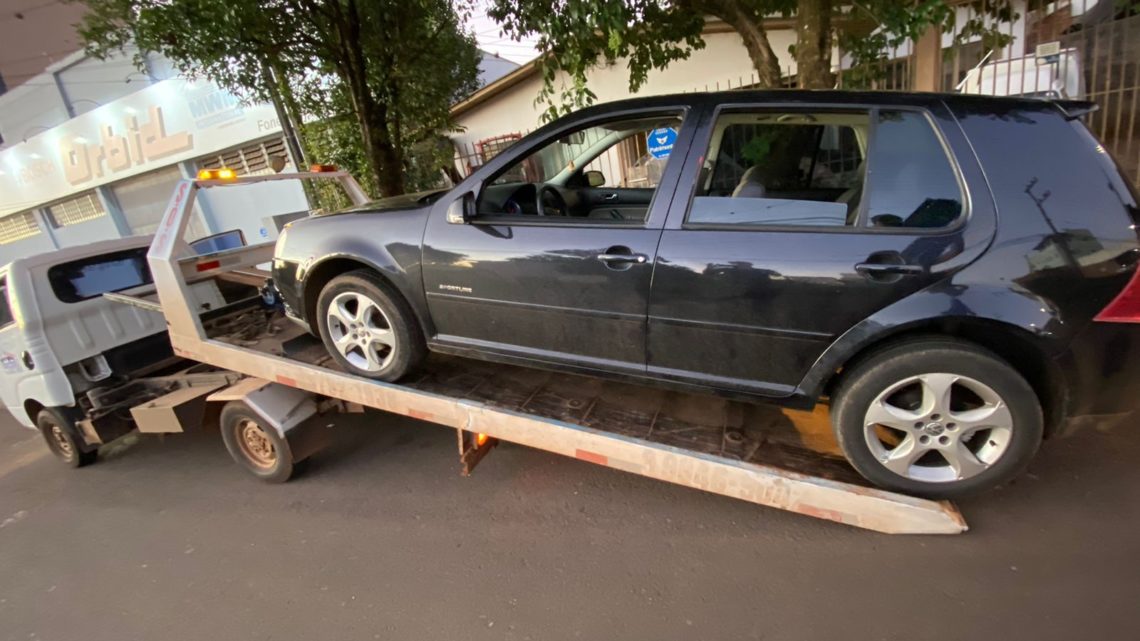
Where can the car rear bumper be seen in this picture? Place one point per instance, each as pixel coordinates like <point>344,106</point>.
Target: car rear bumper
<point>1102,370</point>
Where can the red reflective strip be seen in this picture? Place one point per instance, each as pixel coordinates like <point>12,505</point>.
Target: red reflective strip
<point>208,265</point>
<point>285,380</point>
<point>592,457</point>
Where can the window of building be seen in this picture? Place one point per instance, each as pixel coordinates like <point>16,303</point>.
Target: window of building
<point>18,226</point>
<point>250,160</point>
<point>75,210</point>
<point>812,169</point>
<point>80,280</point>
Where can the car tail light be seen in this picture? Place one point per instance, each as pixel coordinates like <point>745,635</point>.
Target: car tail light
<point>1125,308</point>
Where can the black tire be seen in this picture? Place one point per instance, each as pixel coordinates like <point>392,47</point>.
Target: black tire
<point>969,366</point>
<point>408,348</point>
<point>58,427</point>
<point>272,464</point>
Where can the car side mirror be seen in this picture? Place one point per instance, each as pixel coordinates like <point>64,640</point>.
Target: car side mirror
<point>462,210</point>
<point>595,178</point>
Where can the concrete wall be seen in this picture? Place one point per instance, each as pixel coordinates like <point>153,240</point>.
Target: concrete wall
<point>723,60</point>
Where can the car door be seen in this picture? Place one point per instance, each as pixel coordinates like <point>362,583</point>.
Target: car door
<point>506,274</point>
<point>803,222</point>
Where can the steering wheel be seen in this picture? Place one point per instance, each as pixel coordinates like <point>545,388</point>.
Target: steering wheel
<point>557,201</point>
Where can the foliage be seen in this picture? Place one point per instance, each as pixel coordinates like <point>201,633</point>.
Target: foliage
<point>577,35</point>
<point>390,69</point>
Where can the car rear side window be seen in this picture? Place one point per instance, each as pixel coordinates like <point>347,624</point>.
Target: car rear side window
<point>80,280</point>
<point>783,169</point>
<point>912,183</point>
<point>824,169</point>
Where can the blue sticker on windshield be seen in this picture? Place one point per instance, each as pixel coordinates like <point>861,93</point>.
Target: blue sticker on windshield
<point>660,141</point>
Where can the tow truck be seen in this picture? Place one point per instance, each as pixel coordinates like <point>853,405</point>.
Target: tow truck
<point>274,389</point>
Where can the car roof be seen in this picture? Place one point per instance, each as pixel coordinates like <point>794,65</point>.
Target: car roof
<point>76,252</point>
<point>830,96</point>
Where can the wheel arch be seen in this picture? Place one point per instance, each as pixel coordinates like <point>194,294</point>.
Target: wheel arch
<point>1013,344</point>
<point>319,274</point>
<point>33,408</point>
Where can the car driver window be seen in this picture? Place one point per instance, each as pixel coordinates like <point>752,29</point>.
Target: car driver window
<point>606,173</point>
<point>783,169</point>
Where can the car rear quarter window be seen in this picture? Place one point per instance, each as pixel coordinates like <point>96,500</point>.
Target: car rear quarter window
<point>912,183</point>
<point>80,280</point>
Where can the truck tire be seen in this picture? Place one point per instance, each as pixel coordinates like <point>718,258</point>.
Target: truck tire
<point>368,328</point>
<point>58,427</point>
<point>936,418</point>
<point>254,444</point>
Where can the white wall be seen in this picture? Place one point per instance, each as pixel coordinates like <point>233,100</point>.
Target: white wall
<point>723,60</point>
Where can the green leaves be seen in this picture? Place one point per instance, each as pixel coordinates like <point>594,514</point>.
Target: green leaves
<point>389,67</point>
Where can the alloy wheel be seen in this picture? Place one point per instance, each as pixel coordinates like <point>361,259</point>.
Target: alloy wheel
<point>361,331</point>
<point>938,428</point>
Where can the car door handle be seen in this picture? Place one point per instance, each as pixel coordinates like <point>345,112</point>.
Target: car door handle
<point>610,197</point>
<point>888,268</point>
<point>622,258</point>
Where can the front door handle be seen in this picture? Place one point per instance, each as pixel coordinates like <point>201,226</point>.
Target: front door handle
<point>610,197</point>
<point>618,259</point>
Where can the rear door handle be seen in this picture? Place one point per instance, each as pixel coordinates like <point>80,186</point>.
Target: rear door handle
<point>888,268</point>
<point>623,258</point>
<point>610,197</point>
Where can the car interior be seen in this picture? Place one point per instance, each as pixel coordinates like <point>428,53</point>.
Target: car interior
<point>603,173</point>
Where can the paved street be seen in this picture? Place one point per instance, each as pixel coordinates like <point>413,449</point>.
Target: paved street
<point>382,539</point>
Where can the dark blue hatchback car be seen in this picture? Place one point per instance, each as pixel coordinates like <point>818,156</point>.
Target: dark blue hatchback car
<point>954,274</point>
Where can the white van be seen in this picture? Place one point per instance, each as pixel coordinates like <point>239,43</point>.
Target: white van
<point>61,340</point>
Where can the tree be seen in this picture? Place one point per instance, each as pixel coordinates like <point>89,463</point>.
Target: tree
<point>576,35</point>
<point>393,66</point>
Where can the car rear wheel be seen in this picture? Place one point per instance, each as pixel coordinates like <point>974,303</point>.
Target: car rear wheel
<point>368,328</point>
<point>936,418</point>
<point>58,427</point>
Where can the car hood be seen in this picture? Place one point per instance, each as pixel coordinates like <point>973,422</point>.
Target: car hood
<point>395,203</point>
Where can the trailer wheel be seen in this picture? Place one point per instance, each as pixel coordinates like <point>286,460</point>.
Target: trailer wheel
<point>57,425</point>
<point>255,445</point>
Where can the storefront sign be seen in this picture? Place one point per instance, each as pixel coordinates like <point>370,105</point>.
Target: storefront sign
<point>166,123</point>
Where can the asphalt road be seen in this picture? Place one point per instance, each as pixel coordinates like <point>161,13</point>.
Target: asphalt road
<point>382,539</point>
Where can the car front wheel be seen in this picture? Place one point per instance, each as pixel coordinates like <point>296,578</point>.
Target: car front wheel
<point>936,418</point>
<point>368,328</point>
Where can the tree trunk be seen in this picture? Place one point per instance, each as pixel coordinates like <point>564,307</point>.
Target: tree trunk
<point>813,44</point>
<point>372,116</point>
<point>749,27</point>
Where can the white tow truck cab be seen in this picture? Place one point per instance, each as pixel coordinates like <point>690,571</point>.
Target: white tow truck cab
<point>68,353</point>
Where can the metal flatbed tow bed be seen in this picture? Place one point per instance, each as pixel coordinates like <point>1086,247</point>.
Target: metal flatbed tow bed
<point>751,452</point>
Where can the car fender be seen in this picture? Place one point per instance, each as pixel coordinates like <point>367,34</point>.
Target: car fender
<point>1020,310</point>
<point>405,278</point>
